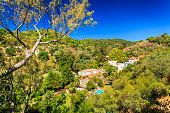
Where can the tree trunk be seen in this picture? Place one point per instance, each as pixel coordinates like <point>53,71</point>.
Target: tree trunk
<point>12,105</point>
<point>27,102</point>
<point>21,63</point>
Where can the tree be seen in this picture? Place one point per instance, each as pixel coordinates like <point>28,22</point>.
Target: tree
<point>128,68</point>
<point>23,83</point>
<point>90,85</point>
<point>27,14</point>
<point>67,74</point>
<point>53,81</point>
<point>43,55</point>
<point>118,55</point>
<point>10,51</point>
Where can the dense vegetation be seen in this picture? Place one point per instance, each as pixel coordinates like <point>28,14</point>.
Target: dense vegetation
<point>47,80</point>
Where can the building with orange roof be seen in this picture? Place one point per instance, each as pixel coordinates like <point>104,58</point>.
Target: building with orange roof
<point>87,74</point>
<point>141,56</point>
<point>132,60</point>
<point>121,66</point>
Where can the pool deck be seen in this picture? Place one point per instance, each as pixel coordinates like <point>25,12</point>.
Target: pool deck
<point>99,91</point>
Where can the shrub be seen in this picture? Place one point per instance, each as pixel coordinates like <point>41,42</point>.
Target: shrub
<point>43,55</point>
<point>100,82</point>
<point>10,51</point>
<point>90,85</point>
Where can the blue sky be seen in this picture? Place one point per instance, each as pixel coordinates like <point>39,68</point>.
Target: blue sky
<point>127,19</point>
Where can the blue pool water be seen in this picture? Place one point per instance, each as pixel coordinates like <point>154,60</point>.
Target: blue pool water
<point>99,91</point>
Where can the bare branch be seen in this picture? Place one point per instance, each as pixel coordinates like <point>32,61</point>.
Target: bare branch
<point>13,34</point>
<point>22,23</point>
<point>37,30</point>
<point>47,29</point>
<point>57,39</point>
<point>30,35</point>
<point>23,62</point>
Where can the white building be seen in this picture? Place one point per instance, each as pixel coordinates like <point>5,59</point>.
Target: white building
<point>88,72</point>
<point>112,62</point>
<point>101,70</point>
<point>121,66</point>
<point>132,60</point>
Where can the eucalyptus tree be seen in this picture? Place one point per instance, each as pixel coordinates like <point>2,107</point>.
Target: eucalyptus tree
<point>17,15</point>
<point>28,80</point>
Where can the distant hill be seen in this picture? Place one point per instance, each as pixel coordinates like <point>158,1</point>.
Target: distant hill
<point>104,43</point>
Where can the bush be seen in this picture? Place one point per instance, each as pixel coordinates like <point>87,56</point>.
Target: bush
<point>100,82</point>
<point>43,55</point>
<point>10,51</point>
<point>90,86</point>
<point>53,81</point>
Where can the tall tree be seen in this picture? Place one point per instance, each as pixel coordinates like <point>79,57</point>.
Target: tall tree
<point>118,55</point>
<point>27,14</point>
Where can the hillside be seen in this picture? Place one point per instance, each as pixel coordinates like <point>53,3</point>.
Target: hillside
<point>105,43</point>
<point>136,88</point>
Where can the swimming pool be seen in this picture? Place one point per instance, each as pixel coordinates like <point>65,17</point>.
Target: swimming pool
<point>99,91</point>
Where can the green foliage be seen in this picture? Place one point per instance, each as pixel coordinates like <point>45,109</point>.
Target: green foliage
<point>67,75</point>
<point>157,63</point>
<point>72,86</point>
<point>111,71</point>
<point>36,94</point>
<point>10,51</point>
<point>98,80</point>
<point>106,43</point>
<point>53,81</point>
<point>134,89</point>
<point>77,99</point>
<point>43,55</point>
<point>117,55</point>
<point>63,56</point>
<point>90,85</point>
<point>142,48</point>
<point>164,39</point>
<point>128,68</point>
<point>2,58</point>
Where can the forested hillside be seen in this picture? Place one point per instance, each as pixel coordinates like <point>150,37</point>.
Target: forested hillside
<point>44,70</point>
<point>105,43</point>
<point>46,77</point>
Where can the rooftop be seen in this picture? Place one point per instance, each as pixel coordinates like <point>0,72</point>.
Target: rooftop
<point>141,56</point>
<point>88,70</point>
<point>132,58</point>
<point>101,69</point>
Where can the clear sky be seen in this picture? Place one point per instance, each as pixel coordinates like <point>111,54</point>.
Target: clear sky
<point>131,20</point>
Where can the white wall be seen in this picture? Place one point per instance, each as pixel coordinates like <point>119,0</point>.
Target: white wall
<point>112,62</point>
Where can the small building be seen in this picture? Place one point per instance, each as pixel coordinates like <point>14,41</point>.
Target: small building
<point>112,62</point>
<point>121,66</point>
<point>83,82</point>
<point>101,70</point>
<point>132,60</point>
<point>87,72</point>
